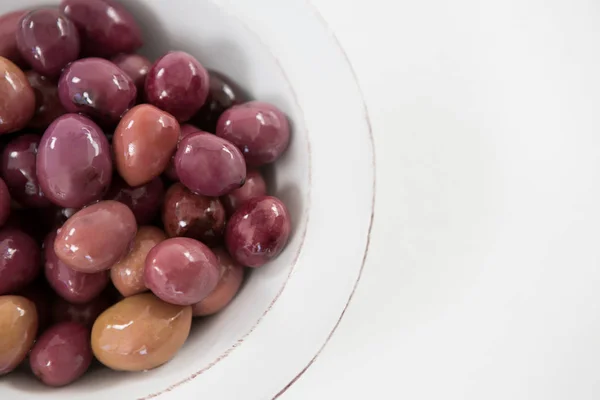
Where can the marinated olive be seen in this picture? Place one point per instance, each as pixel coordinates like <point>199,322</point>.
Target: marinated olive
<point>143,143</point>
<point>18,327</point>
<point>181,271</point>
<point>258,231</point>
<point>17,99</point>
<point>128,274</point>
<point>140,333</point>
<point>230,280</point>
<point>95,238</point>
<point>62,354</point>
<point>193,215</point>
<point>73,163</point>
<point>209,165</point>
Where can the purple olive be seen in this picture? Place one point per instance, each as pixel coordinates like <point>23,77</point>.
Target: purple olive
<point>4,202</point>
<point>97,88</point>
<point>47,104</point>
<point>254,186</point>
<point>260,130</point>
<point>106,27</point>
<point>144,201</point>
<point>209,165</point>
<point>181,271</point>
<point>9,23</point>
<point>135,66</point>
<point>19,260</point>
<point>62,354</point>
<point>84,314</point>
<point>18,167</point>
<point>186,129</point>
<point>47,40</point>
<point>74,166</point>
<point>178,84</point>
<point>71,285</point>
<point>193,215</point>
<point>258,231</point>
<point>223,93</point>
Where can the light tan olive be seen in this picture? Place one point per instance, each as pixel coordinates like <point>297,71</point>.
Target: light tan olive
<point>128,274</point>
<point>18,326</point>
<point>140,333</point>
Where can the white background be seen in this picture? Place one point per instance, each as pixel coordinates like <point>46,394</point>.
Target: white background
<point>482,280</point>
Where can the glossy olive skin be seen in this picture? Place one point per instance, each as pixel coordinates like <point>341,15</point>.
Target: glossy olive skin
<point>47,40</point>
<point>192,215</point>
<point>96,237</point>
<point>178,84</point>
<point>19,260</point>
<point>223,93</point>
<point>62,354</point>
<point>209,165</point>
<point>144,201</point>
<point>140,322</point>
<point>260,130</point>
<point>230,280</point>
<point>255,186</point>
<point>97,88</point>
<point>135,66</point>
<point>84,314</point>
<point>18,327</point>
<point>47,104</point>
<point>128,274</point>
<point>186,129</point>
<point>73,164</point>
<point>143,143</point>
<point>105,26</point>
<point>17,99</point>
<point>9,24</point>
<point>258,231</point>
<point>181,271</point>
<point>71,285</point>
<point>18,168</point>
<point>4,202</point>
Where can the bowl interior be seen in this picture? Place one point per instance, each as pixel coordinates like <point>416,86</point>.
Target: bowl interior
<point>220,42</point>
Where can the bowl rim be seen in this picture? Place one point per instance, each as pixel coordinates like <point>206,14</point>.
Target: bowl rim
<point>366,117</point>
<point>372,217</point>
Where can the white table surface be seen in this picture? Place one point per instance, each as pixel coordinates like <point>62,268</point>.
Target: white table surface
<point>482,276</point>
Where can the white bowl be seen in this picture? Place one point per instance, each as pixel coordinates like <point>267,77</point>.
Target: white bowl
<point>281,52</point>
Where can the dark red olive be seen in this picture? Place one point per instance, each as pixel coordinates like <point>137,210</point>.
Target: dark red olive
<point>193,215</point>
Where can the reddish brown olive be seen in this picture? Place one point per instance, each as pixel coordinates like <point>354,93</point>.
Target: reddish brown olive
<point>193,215</point>
<point>95,238</point>
<point>17,99</point>
<point>144,142</point>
